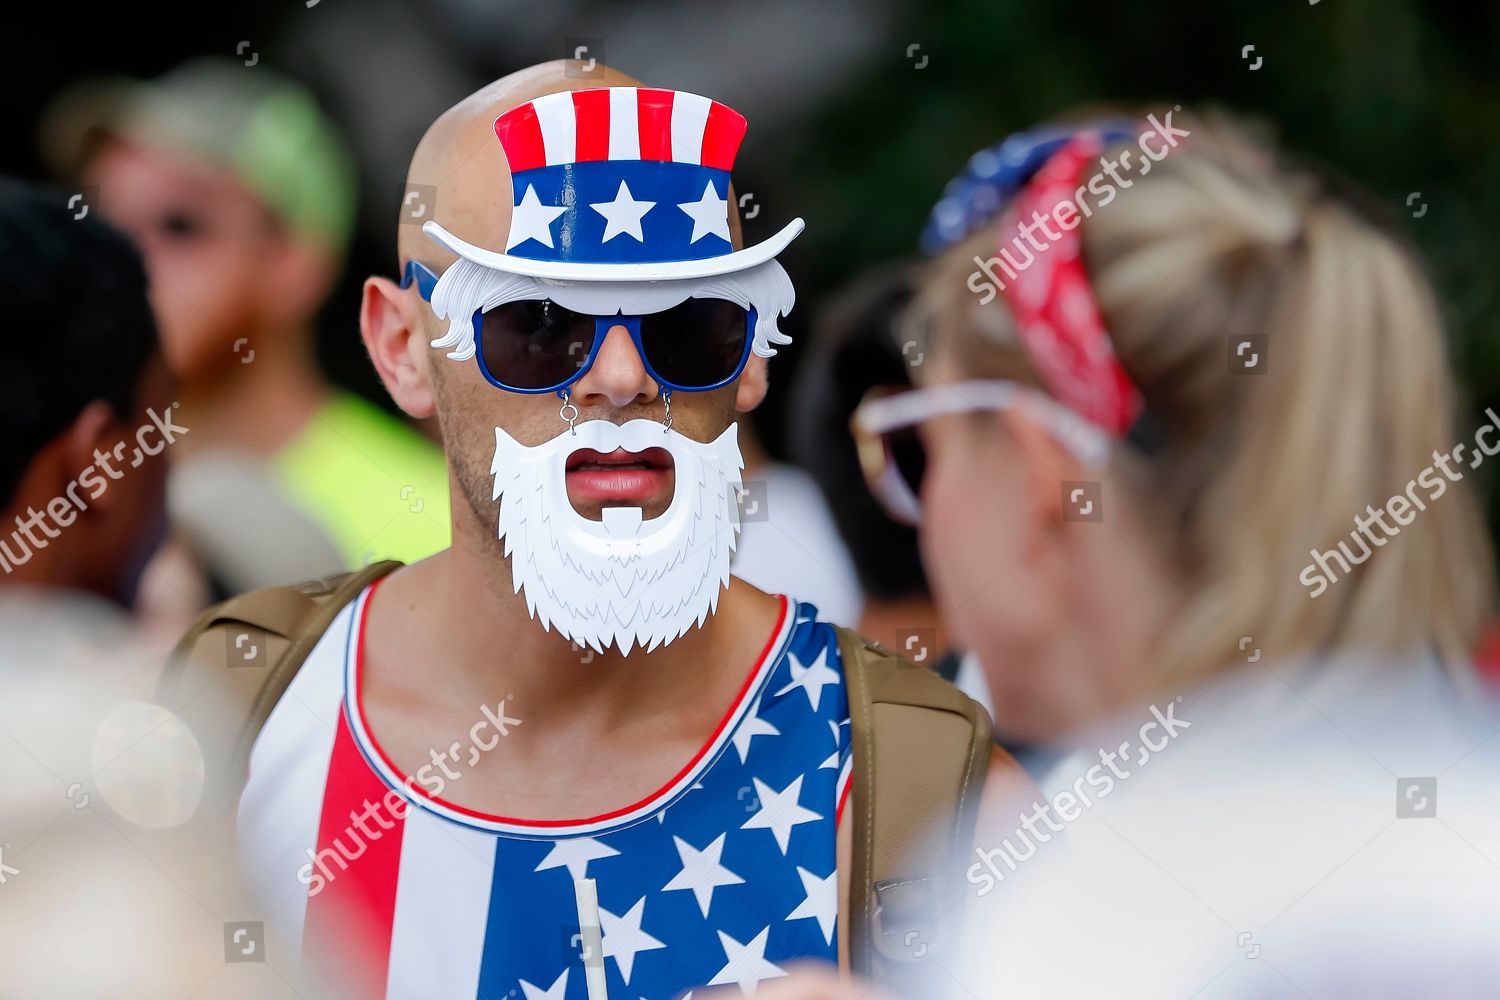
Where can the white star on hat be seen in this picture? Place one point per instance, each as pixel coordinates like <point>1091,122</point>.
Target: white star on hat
<point>556,991</point>
<point>624,939</point>
<point>749,728</point>
<point>811,678</point>
<point>779,811</point>
<point>746,964</point>
<point>710,215</point>
<point>531,220</point>
<point>575,855</point>
<point>701,871</point>
<point>623,215</point>
<point>822,902</point>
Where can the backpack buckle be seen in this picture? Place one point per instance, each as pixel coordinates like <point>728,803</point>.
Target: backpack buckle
<point>904,918</point>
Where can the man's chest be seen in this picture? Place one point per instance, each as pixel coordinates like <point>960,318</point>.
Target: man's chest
<point>723,875</point>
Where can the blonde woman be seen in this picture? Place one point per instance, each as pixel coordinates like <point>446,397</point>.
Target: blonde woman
<point>1189,482</point>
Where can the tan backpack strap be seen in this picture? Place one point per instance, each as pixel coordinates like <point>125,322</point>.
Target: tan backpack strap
<point>232,667</point>
<point>921,750</point>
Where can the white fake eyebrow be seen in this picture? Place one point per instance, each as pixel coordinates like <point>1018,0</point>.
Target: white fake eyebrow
<point>467,287</point>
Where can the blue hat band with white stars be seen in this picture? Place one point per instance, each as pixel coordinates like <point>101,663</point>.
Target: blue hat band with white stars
<point>620,212</point>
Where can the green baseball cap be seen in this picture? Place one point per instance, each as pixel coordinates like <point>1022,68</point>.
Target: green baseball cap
<point>263,127</point>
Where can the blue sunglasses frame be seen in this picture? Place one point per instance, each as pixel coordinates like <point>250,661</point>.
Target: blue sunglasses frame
<point>419,274</point>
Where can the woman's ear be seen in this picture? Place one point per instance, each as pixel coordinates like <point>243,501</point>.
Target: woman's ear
<point>1051,473</point>
<point>753,383</point>
<point>396,338</point>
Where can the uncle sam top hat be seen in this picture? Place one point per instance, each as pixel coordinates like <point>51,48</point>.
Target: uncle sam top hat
<point>619,184</point>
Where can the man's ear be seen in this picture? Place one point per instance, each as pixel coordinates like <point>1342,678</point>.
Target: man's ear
<point>753,383</point>
<point>396,338</point>
<point>96,428</point>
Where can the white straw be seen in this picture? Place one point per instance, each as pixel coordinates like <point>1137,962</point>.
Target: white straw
<point>587,897</point>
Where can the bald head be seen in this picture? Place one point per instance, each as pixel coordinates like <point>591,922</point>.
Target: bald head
<point>461,158</point>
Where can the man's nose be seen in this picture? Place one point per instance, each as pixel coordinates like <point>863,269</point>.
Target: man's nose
<point>617,375</point>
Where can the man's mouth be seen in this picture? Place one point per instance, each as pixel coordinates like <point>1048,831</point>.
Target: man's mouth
<point>620,475</point>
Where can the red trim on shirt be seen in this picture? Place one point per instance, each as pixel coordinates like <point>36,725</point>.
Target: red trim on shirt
<point>412,787</point>
<point>350,919</point>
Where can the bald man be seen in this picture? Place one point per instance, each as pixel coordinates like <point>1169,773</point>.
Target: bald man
<point>570,756</point>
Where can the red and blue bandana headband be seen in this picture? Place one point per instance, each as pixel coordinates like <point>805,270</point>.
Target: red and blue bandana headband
<point>1051,299</point>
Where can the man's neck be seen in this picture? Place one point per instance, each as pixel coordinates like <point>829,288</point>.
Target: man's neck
<point>491,648</point>
<point>259,405</point>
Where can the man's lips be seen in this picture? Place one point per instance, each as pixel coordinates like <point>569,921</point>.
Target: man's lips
<point>651,458</point>
<point>618,475</point>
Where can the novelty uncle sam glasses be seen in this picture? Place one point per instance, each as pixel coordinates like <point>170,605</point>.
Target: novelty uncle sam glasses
<point>620,218</point>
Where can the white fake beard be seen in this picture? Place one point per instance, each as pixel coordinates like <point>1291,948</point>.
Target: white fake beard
<point>623,580</point>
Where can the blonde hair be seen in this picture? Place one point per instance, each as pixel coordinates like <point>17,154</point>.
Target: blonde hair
<point>1256,471</point>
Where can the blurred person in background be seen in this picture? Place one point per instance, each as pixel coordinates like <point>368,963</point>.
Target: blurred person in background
<point>241,195</point>
<point>788,538</point>
<point>1153,536</point>
<point>858,345</point>
<point>81,373</point>
<point>88,906</point>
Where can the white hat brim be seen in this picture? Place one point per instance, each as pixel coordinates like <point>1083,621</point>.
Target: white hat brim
<point>708,267</point>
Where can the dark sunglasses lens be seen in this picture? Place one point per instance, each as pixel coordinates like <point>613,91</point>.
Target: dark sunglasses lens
<point>534,343</point>
<point>696,344</point>
<point>907,456</point>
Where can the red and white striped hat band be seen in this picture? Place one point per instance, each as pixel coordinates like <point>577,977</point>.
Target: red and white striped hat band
<point>620,123</point>
<point>619,183</point>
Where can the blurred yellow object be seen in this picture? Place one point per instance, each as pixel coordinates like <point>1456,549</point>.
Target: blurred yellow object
<point>375,485</point>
